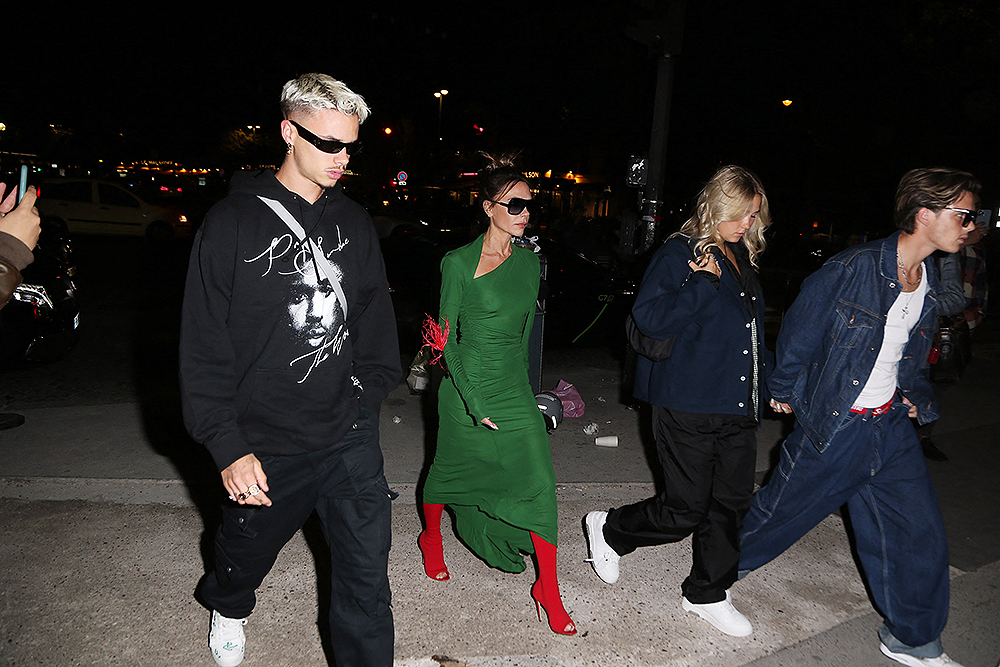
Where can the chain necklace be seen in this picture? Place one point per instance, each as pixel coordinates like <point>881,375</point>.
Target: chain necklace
<point>906,305</point>
<point>920,272</point>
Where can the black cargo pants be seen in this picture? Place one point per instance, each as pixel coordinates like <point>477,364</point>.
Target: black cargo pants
<point>346,486</point>
<point>708,463</point>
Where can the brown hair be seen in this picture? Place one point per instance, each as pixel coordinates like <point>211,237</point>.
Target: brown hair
<point>934,188</point>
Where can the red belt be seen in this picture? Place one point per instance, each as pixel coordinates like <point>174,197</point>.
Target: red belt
<point>880,410</point>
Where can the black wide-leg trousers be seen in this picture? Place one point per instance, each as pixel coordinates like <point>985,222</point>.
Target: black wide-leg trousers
<point>346,486</point>
<point>708,463</point>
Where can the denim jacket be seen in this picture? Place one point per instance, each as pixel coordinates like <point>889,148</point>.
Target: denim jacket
<point>833,332</point>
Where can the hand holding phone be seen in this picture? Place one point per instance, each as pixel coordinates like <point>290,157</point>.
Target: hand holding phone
<point>21,221</point>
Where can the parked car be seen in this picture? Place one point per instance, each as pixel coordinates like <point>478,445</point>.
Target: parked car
<point>40,323</point>
<point>92,206</point>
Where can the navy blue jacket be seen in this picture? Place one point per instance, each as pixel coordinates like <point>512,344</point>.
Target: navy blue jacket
<point>709,370</point>
<point>833,332</point>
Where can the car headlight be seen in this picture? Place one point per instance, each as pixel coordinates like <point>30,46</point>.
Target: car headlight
<point>34,295</point>
<point>182,218</point>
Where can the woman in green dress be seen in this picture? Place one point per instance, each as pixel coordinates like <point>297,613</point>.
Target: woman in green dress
<point>493,465</point>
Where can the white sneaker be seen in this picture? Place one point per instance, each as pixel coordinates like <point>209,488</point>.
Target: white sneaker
<point>227,640</point>
<point>722,615</point>
<point>602,556</point>
<point>941,661</point>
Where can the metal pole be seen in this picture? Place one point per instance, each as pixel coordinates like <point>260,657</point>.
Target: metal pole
<point>652,196</point>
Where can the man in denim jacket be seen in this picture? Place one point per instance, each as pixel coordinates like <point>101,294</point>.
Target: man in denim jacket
<point>851,364</point>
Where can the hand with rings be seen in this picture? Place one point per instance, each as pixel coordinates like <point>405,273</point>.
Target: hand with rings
<point>252,491</point>
<point>246,482</point>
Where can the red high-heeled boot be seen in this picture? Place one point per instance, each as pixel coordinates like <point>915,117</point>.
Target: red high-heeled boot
<point>545,591</point>
<point>431,544</point>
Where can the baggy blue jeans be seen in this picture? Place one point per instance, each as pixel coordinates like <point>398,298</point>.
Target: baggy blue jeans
<point>875,465</point>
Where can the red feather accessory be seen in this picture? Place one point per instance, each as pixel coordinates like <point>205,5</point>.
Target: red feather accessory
<point>436,338</point>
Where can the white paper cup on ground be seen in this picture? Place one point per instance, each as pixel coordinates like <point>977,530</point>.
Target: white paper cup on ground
<point>606,441</point>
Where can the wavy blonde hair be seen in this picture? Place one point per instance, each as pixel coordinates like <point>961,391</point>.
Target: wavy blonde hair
<point>728,196</point>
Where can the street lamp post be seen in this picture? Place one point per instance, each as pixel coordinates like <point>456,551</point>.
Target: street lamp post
<point>440,95</point>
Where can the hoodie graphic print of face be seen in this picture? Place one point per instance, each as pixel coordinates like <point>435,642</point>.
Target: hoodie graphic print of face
<point>316,319</point>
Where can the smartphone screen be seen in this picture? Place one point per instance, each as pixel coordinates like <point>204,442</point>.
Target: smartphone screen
<point>23,185</point>
<point>985,217</point>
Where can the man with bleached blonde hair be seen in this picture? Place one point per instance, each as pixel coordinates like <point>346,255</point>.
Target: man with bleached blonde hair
<point>288,347</point>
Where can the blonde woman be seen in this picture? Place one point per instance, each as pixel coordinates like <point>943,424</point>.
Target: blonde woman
<point>701,288</point>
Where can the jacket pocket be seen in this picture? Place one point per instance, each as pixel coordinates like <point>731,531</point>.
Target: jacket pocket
<point>853,326</point>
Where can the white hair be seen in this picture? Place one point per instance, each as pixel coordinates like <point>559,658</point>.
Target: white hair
<point>312,92</point>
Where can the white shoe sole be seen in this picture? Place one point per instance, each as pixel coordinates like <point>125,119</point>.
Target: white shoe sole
<point>695,609</point>
<point>912,661</point>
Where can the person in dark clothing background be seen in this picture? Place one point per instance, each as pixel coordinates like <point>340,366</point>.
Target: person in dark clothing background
<point>951,302</point>
<point>288,347</point>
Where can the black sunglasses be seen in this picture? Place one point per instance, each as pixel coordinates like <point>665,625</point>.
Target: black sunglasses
<point>331,146</point>
<point>516,205</point>
<point>968,217</point>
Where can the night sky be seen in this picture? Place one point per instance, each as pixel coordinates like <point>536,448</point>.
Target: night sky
<point>877,87</point>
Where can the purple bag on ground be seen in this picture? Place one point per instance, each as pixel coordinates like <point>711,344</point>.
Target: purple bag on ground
<point>570,398</point>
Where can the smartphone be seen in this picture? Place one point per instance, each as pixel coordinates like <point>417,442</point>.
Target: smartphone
<point>987,217</point>
<point>23,185</point>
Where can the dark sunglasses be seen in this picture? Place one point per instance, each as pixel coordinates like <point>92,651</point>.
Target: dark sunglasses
<point>968,217</point>
<point>516,205</point>
<point>331,146</point>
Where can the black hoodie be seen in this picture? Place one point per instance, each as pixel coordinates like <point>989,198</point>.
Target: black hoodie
<point>269,365</point>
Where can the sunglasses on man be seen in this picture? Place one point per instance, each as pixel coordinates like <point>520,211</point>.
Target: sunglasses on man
<point>516,205</point>
<point>968,217</point>
<point>331,146</point>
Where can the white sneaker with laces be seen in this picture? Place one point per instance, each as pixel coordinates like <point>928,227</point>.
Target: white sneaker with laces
<point>226,639</point>
<point>905,658</point>
<point>722,615</point>
<point>602,556</point>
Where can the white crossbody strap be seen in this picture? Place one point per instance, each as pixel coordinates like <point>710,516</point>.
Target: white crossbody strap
<point>321,260</point>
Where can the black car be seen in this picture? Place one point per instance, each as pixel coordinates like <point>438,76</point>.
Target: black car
<point>40,322</point>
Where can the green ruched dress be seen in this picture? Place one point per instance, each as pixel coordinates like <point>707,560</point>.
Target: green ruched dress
<point>500,484</point>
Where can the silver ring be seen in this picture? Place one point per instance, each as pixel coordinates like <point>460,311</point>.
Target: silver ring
<point>253,490</point>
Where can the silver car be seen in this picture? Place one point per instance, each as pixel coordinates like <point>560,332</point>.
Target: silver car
<point>92,206</point>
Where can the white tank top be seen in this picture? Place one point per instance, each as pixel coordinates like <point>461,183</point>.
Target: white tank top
<point>899,322</point>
